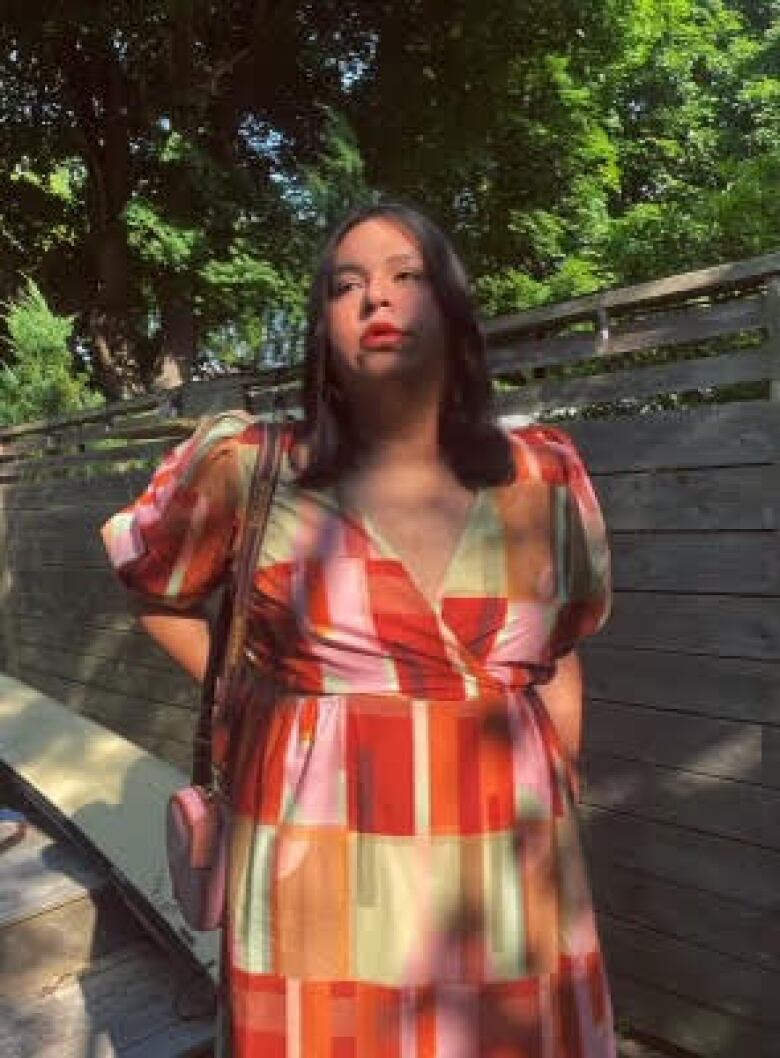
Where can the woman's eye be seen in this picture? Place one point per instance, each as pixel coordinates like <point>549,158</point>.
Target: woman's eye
<point>343,286</point>
<point>413,274</point>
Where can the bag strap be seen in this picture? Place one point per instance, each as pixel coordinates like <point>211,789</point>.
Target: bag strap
<point>229,633</point>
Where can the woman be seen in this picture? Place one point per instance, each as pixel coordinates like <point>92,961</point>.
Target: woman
<point>406,878</point>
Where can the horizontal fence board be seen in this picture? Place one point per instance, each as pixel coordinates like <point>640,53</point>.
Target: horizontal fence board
<point>701,1030</point>
<point>658,330</point>
<point>79,547</point>
<point>753,273</point>
<point>720,748</point>
<point>66,588</point>
<point>132,645</point>
<point>770,748</point>
<point>705,374</point>
<point>746,432</point>
<point>740,988</point>
<point>109,674</point>
<point>43,606</point>
<point>730,499</point>
<point>722,625</point>
<point>666,329</point>
<point>150,427</point>
<point>118,409</point>
<point>729,868</point>
<point>705,803</point>
<point>727,563</point>
<point>713,922</point>
<point>62,523</point>
<point>109,491</point>
<point>725,687</point>
<point>23,469</point>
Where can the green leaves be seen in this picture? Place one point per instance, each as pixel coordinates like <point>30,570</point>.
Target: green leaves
<point>38,381</point>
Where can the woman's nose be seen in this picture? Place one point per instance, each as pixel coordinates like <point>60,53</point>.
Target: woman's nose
<point>376,292</point>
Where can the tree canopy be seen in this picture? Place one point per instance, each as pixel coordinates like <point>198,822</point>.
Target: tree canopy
<point>170,165</point>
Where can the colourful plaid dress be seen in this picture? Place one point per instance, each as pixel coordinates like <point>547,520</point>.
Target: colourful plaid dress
<point>406,877</point>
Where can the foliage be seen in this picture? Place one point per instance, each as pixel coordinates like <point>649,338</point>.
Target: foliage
<point>171,167</point>
<point>38,381</point>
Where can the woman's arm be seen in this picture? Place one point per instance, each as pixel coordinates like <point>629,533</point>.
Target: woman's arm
<point>185,635</point>
<point>562,697</point>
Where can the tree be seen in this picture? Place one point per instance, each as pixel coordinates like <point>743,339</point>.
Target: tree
<point>176,117</point>
<point>178,161</point>
<point>39,381</point>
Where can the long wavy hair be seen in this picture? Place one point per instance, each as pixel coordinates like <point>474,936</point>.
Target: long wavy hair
<point>475,447</point>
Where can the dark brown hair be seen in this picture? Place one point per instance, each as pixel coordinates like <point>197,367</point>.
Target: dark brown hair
<point>476,449</point>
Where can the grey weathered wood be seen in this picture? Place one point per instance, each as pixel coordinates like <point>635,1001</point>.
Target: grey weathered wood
<point>709,804</point>
<point>714,922</point>
<point>23,469</point>
<point>112,490</point>
<point>632,385</point>
<point>725,435</point>
<point>7,638</point>
<point>729,499</point>
<point>724,749</point>
<point>717,686</point>
<point>720,563</point>
<point>80,547</point>
<point>147,427</point>
<point>695,323</point>
<point>725,866</point>
<point>699,1028</point>
<point>100,612</point>
<point>752,273</point>
<point>101,673</point>
<point>132,645</point>
<point>106,412</point>
<point>122,1004</point>
<point>722,625</point>
<point>735,986</point>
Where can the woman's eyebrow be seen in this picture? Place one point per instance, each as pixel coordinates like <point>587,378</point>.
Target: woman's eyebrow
<point>346,266</point>
<point>393,259</point>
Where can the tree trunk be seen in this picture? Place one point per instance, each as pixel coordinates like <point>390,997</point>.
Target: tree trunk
<point>115,361</point>
<point>178,341</point>
<point>98,92</point>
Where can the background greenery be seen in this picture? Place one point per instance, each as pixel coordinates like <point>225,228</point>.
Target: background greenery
<point>169,166</point>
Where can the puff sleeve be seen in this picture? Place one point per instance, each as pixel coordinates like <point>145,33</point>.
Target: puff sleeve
<point>173,544</point>
<point>583,559</point>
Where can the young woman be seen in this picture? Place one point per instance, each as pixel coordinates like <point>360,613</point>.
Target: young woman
<point>406,879</point>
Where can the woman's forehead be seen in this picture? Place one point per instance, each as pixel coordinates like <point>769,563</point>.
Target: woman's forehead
<point>376,240</point>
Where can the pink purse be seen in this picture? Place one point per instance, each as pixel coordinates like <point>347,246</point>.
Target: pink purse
<point>198,822</point>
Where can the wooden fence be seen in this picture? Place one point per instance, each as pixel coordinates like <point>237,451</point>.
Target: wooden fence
<point>671,391</point>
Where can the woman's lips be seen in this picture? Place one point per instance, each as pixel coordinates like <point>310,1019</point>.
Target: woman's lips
<point>382,337</point>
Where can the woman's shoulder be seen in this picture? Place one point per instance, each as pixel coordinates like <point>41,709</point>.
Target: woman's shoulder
<point>543,453</point>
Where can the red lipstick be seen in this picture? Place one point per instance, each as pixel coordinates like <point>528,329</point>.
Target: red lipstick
<point>380,335</point>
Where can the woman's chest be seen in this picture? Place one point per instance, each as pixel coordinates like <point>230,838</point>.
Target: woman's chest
<point>501,543</point>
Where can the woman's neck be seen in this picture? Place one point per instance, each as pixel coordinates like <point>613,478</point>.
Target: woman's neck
<point>397,429</point>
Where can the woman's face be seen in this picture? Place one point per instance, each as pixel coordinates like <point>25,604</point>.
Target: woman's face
<point>383,319</point>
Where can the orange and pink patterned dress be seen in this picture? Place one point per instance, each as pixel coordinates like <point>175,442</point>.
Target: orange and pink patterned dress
<point>406,879</point>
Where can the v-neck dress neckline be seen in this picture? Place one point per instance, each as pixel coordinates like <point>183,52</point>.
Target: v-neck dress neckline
<point>385,547</point>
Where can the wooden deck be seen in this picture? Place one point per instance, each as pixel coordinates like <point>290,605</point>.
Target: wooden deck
<point>80,976</point>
